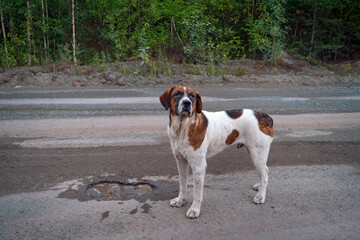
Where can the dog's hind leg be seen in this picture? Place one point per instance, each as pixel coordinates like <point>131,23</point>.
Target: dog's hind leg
<point>259,155</point>
<point>183,169</point>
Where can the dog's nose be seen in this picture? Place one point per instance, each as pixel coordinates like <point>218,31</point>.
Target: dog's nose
<point>186,103</point>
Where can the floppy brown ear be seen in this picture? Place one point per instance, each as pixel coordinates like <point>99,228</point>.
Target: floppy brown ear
<point>198,103</point>
<point>165,98</point>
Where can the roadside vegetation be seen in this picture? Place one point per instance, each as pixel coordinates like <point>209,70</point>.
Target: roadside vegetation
<point>203,35</point>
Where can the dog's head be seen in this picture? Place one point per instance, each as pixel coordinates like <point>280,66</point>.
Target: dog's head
<point>182,101</point>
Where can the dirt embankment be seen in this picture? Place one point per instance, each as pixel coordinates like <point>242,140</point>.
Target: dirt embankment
<point>247,73</point>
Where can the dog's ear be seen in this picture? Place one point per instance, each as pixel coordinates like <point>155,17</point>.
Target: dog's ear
<point>198,103</point>
<point>165,98</point>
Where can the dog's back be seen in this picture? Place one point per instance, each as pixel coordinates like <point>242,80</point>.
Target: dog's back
<point>226,128</point>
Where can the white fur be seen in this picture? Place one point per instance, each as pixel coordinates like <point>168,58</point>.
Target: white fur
<point>220,125</point>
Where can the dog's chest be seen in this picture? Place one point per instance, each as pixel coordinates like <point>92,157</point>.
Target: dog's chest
<point>179,136</point>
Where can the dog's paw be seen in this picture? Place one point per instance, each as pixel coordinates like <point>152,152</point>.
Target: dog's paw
<point>177,202</point>
<point>256,186</point>
<point>193,213</point>
<point>259,199</point>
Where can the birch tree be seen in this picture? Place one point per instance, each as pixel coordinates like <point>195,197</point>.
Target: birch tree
<point>73,27</point>
<point>44,28</point>
<point>4,34</point>
<point>28,23</point>
<point>313,29</point>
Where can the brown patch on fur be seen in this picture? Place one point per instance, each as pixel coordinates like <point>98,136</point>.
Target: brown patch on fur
<point>170,120</point>
<point>197,131</point>
<point>198,102</point>
<point>232,137</point>
<point>168,101</point>
<point>234,114</point>
<point>173,101</point>
<point>173,106</point>
<point>266,123</point>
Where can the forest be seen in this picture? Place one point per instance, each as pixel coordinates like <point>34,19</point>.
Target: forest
<point>91,32</point>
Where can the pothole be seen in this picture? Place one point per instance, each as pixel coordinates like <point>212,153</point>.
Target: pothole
<point>119,189</point>
<point>116,190</point>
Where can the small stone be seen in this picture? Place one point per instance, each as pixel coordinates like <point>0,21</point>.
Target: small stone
<point>111,78</point>
<point>115,191</point>
<point>120,81</point>
<point>94,193</point>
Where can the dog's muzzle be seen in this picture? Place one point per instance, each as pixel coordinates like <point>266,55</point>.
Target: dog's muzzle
<point>185,107</point>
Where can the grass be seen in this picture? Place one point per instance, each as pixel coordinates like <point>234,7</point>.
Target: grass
<point>165,68</point>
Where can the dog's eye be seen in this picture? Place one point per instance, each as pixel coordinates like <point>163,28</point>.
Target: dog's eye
<point>178,94</point>
<point>191,96</point>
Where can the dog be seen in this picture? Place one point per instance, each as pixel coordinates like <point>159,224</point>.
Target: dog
<point>196,135</point>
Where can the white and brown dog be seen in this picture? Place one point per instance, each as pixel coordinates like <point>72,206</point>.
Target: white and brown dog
<point>196,135</point>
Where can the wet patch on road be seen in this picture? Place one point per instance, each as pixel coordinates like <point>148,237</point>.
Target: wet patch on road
<point>132,212</point>
<point>120,189</point>
<point>116,190</point>
<point>104,215</point>
<point>146,208</point>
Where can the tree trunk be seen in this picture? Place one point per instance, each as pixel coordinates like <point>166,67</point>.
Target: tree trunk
<point>40,54</point>
<point>43,32</point>
<point>295,33</point>
<point>174,28</point>
<point>47,29</point>
<point>28,22</point>
<point>4,34</point>
<point>73,26</point>
<point>33,46</point>
<point>313,29</point>
<point>11,28</point>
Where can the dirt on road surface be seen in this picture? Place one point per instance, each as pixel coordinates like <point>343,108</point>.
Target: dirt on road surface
<point>103,168</point>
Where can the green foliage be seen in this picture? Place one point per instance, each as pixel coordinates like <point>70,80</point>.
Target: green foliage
<point>207,32</point>
<point>64,52</point>
<point>196,31</point>
<point>98,60</point>
<point>267,33</point>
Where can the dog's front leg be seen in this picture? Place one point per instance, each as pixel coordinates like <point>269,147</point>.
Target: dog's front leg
<point>183,169</point>
<point>198,179</point>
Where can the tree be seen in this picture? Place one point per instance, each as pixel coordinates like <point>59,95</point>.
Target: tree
<point>73,28</point>
<point>4,34</point>
<point>44,31</point>
<point>28,27</point>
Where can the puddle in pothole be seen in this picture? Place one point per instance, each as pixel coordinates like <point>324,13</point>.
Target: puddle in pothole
<point>113,190</point>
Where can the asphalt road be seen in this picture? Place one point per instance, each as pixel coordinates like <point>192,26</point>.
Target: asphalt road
<point>75,103</point>
<point>55,145</point>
